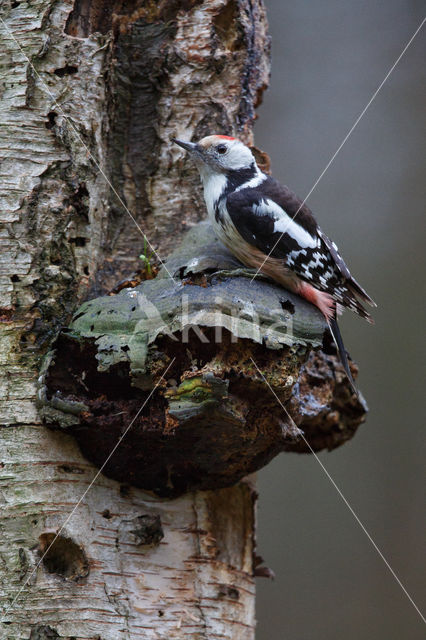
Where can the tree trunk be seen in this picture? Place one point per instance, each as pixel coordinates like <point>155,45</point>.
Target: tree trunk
<point>90,93</point>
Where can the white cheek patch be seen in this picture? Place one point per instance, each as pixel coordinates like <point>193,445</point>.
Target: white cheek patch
<point>285,224</point>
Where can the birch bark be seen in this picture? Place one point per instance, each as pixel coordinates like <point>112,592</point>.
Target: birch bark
<point>90,92</point>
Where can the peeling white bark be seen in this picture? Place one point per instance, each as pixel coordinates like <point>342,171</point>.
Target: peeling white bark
<point>195,584</point>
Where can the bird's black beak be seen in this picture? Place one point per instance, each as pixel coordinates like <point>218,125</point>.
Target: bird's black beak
<point>192,147</point>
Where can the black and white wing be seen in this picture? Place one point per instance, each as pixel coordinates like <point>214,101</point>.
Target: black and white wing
<point>271,218</point>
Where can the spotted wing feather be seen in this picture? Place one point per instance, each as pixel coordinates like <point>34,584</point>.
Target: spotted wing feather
<point>271,218</point>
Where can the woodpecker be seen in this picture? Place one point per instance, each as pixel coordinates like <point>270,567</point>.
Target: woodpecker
<point>266,226</point>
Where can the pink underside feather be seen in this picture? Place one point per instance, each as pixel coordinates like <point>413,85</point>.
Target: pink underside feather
<point>320,299</point>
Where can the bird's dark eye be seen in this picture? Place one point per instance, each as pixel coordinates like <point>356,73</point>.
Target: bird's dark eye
<point>221,148</point>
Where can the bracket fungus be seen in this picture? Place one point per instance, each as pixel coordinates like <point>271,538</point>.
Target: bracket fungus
<point>212,418</point>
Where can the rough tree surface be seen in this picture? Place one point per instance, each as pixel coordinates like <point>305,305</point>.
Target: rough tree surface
<point>113,80</point>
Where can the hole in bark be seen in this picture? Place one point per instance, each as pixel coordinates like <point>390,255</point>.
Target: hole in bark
<point>86,270</point>
<point>43,632</point>
<point>148,530</point>
<point>79,241</point>
<point>79,194</point>
<point>64,557</point>
<point>160,613</point>
<point>227,591</point>
<point>125,490</point>
<point>288,306</point>
<point>51,118</point>
<point>6,315</point>
<point>225,26</point>
<point>15,279</point>
<point>68,70</point>
<point>106,513</point>
<point>14,5</point>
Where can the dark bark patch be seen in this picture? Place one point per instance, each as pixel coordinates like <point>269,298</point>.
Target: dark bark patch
<point>225,26</point>
<point>6,315</point>
<point>125,490</point>
<point>79,241</point>
<point>62,556</point>
<point>252,82</point>
<point>68,468</point>
<point>51,119</point>
<point>68,70</point>
<point>138,75</point>
<point>148,530</point>
<point>137,81</point>
<point>214,120</point>
<point>90,16</point>
<point>288,306</point>
<point>228,591</point>
<point>231,529</point>
<point>43,632</point>
<point>55,289</point>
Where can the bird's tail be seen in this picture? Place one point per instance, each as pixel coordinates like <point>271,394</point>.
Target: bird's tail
<point>337,337</point>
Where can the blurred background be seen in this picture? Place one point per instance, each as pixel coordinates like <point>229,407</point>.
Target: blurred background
<point>327,60</point>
